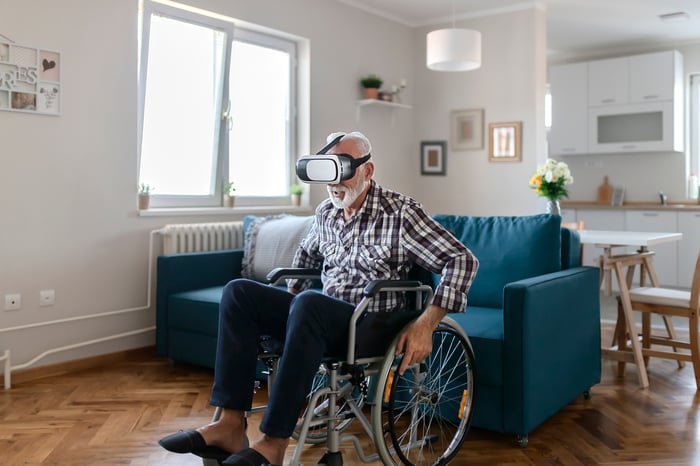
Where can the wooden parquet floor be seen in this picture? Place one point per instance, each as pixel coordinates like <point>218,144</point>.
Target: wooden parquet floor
<point>115,415</point>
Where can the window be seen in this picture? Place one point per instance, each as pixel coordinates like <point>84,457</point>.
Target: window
<point>216,105</point>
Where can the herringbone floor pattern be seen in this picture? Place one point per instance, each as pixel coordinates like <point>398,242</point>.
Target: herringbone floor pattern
<point>114,416</point>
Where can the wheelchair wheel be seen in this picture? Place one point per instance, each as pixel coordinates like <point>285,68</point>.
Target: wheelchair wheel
<point>319,433</point>
<point>422,417</point>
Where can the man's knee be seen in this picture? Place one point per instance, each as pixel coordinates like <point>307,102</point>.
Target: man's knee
<point>237,294</point>
<point>308,299</point>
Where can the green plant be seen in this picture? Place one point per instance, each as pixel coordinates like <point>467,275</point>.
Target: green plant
<point>296,189</point>
<point>371,81</point>
<point>145,189</point>
<point>230,189</point>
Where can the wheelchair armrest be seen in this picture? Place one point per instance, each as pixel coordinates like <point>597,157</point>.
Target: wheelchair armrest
<point>282,273</point>
<point>376,286</point>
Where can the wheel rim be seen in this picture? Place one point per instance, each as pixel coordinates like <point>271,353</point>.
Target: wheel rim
<point>426,417</point>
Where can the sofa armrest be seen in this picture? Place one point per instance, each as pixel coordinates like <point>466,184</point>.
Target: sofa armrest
<point>191,271</point>
<point>552,344</point>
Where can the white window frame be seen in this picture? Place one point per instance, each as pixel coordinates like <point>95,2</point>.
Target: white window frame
<point>694,125</point>
<point>245,34</point>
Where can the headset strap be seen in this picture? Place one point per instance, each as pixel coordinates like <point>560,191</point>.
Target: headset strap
<point>330,144</point>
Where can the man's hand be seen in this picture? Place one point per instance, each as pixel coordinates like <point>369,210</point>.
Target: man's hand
<point>416,342</point>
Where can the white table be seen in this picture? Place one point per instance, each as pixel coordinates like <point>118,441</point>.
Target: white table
<point>610,262</point>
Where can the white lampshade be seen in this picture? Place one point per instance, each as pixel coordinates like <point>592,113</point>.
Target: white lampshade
<point>453,50</point>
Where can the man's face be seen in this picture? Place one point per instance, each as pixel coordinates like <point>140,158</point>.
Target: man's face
<point>344,194</point>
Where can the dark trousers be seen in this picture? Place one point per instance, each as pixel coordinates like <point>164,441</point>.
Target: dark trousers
<point>311,326</point>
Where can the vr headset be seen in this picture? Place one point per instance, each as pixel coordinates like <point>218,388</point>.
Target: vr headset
<point>325,168</point>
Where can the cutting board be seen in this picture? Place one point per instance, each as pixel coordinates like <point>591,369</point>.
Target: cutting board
<point>605,191</point>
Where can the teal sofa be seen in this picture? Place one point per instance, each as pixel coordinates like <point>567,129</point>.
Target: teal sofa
<point>533,315</point>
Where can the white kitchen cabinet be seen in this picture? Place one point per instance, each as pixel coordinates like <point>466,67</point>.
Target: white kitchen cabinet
<point>688,247</point>
<point>634,104</point>
<point>608,81</point>
<point>653,76</point>
<point>569,88</point>
<point>666,258</point>
<point>645,127</point>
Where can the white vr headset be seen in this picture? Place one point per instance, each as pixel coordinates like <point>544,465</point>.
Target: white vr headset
<point>325,168</point>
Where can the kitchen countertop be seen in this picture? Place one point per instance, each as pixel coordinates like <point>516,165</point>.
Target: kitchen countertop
<point>679,206</point>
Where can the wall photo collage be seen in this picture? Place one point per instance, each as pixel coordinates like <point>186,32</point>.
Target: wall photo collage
<point>30,79</point>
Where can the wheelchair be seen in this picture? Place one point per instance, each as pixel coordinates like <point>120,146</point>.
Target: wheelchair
<point>419,418</point>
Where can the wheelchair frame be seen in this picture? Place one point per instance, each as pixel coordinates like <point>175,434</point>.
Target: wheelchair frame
<point>421,415</point>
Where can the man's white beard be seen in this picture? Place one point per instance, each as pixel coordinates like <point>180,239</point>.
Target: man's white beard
<point>351,194</point>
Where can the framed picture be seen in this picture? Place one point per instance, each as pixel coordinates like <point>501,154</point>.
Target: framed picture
<point>432,157</point>
<point>467,129</point>
<point>504,142</point>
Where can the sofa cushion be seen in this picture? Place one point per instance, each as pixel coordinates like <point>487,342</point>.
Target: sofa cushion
<point>508,248</point>
<point>271,242</point>
<point>196,310</point>
<point>485,329</point>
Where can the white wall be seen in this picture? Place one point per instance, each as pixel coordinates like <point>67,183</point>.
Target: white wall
<point>509,86</point>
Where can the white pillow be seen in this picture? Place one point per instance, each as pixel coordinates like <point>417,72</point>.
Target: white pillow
<point>271,242</point>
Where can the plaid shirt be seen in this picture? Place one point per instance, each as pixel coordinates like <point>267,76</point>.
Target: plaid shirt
<point>382,241</point>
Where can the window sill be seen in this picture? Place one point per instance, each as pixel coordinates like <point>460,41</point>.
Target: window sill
<point>243,210</point>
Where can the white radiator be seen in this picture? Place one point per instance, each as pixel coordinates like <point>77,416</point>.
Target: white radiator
<point>194,237</point>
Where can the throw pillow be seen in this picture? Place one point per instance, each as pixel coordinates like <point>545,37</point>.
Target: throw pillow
<point>271,242</point>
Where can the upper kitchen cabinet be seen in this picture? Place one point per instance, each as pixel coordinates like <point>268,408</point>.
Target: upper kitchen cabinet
<point>608,81</point>
<point>655,76</point>
<point>568,133</point>
<point>634,104</point>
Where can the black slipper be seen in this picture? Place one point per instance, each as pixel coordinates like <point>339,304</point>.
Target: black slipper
<point>246,457</point>
<point>191,441</point>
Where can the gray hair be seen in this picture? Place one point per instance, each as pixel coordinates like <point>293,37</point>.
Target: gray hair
<point>360,140</point>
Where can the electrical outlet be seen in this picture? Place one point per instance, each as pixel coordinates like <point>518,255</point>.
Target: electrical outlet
<point>13,302</point>
<point>47,298</point>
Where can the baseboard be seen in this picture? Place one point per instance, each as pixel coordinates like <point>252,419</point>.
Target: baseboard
<point>92,362</point>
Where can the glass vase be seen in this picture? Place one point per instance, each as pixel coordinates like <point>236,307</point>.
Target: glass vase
<point>553,207</point>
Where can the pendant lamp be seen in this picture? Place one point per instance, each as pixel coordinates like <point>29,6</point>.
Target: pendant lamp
<point>453,49</point>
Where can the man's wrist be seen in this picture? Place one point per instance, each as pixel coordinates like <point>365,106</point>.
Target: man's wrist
<point>434,314</point>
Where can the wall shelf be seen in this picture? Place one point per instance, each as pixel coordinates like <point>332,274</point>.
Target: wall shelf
<point>378,103</point>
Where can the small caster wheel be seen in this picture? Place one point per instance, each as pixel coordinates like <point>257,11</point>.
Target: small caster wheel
<point>522,441</point>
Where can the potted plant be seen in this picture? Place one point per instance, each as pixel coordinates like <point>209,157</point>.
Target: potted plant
<point>145,191</point>
<point>229,195</point>
<point>296,190</point>
<point>371,83</point>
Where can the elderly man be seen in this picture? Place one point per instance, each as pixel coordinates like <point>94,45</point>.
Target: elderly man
<point>362,232</point>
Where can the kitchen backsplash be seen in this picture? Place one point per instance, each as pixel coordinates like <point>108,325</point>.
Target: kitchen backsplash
<point>642,175</point>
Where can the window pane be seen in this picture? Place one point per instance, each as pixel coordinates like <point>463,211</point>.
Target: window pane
<point>258,143</point>
<point>182,102</point>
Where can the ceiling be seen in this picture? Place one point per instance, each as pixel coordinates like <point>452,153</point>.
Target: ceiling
<point>574,27</point>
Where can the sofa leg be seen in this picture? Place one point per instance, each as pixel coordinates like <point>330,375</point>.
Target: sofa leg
<point>522,441</point>
<point>587,395</point>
